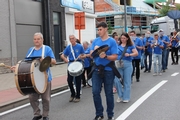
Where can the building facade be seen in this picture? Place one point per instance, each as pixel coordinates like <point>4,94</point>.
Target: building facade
<point>21,19</point>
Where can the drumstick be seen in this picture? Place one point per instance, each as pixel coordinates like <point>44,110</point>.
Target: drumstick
<point>3,65</point>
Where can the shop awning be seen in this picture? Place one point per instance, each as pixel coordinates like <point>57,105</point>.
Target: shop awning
<point>152,1</point>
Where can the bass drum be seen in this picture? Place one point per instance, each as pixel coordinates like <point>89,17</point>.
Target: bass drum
<point>29,79</point>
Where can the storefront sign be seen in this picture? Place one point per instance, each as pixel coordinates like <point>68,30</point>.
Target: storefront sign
<point>81,5</point>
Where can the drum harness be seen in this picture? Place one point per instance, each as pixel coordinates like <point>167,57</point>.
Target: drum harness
<point>43,49</point>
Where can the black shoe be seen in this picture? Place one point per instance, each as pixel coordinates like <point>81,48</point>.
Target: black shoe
<point>164,71</point>
<point>149,71</point>
<point>142,68</point>
<point>37,117</point>
<point>45,118</point>
<point>110,118</point>
<point>172,63</point>
<point>137,80</point>
<point>98,118</point>
<point>145,70</point>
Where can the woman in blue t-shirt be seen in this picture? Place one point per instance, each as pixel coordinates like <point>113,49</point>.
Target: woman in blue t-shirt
<point>126,69</point>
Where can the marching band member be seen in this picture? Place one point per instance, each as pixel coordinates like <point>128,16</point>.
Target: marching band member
<point>74,52</point>
<point>174,49</point>
<point>136,60</point>
<point>103,73</point>
<point>157,45</point>
<point>33,98</point>
<point>165,50</point>
<point>148,51</point>
<point>126,68</point>
<point>87,63</point>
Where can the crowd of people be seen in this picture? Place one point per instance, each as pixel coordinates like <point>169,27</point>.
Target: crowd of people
<point>110,63</point>
<point>130,53</point>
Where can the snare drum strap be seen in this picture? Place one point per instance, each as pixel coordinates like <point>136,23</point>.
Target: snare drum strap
<point>72,51</point>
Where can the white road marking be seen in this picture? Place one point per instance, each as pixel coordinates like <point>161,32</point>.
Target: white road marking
<point>25,105</point>
<point>134,106</point>
<point>174,74</point>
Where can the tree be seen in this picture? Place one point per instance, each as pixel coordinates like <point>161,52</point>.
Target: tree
<point>164,10</point>
<point>110,28</point>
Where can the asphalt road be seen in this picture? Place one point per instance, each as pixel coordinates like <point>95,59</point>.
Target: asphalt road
<point>153,98</point>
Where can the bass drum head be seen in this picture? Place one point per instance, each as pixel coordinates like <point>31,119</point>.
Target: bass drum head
<point>39,78</point>
<point>75,68</point>
<point>89,82</point>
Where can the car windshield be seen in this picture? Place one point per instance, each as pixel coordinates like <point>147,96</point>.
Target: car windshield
<point>154,28</point>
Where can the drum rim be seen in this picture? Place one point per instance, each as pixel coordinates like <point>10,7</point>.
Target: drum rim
<point>16,78</point>
<point>33,81</point>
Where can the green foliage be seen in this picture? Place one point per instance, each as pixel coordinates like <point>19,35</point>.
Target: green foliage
<point>110,28</point>
<point>164,10</point>
<point>178,6</point>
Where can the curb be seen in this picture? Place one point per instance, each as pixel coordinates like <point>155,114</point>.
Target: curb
<point>24,100</point>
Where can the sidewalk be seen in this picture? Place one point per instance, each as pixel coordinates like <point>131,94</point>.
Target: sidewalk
<point>10,97</point>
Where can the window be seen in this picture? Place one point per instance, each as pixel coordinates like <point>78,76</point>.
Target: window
<point>128,2</point>
<point>154,28</point>
<point>55,18</point>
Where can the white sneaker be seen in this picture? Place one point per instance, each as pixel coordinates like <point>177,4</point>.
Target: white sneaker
<point>160,74</point>
<point>154,74</point>
<point>125,101</point>
<point>118,100</point>
<point>81,92</point>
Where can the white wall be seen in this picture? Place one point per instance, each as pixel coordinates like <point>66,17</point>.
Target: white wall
<point>87,34</point>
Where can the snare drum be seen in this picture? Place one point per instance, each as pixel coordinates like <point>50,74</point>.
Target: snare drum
<point>75,68</point>
<point>29,79</point>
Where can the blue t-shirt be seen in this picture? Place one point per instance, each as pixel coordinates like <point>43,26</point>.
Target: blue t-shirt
<point>149,40</point>
<point>157,49</point>
<point>129,50</point>
<point>113,49</point>
<point>38,53</point>
<point>174,42</point>
<point>78,49</point>
<point>87,59</point>
<point>166,39</point>
<point>138,42</point>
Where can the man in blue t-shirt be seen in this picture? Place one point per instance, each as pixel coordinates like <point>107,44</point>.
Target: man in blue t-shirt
<point>33,52</point>
<point>165,50</point>
<point>157,46</point>
<point>74,52</point>
<point>103,73</point>
<point>148,51</point>
<point>136,60</point>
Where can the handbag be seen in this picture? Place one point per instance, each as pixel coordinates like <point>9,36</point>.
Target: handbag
<point>119,63</point>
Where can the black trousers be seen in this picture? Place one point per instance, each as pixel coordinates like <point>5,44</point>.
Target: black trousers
<point>136,66</point>
<point>174,51</point>
<point>85,73</point>
<point>70,80</point>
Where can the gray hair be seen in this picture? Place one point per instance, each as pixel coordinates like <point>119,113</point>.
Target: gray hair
<point>39,33</point>
<point>85,42</point>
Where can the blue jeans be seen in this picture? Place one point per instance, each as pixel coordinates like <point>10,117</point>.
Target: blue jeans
<point>164,60</point>
<point>148,67</point>
<point>157,57</point>
<point>142,59</point>
<point>125,71</point>
<point>108,88</point>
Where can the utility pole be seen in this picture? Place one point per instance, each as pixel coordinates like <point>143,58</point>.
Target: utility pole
<point>125,17</point>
